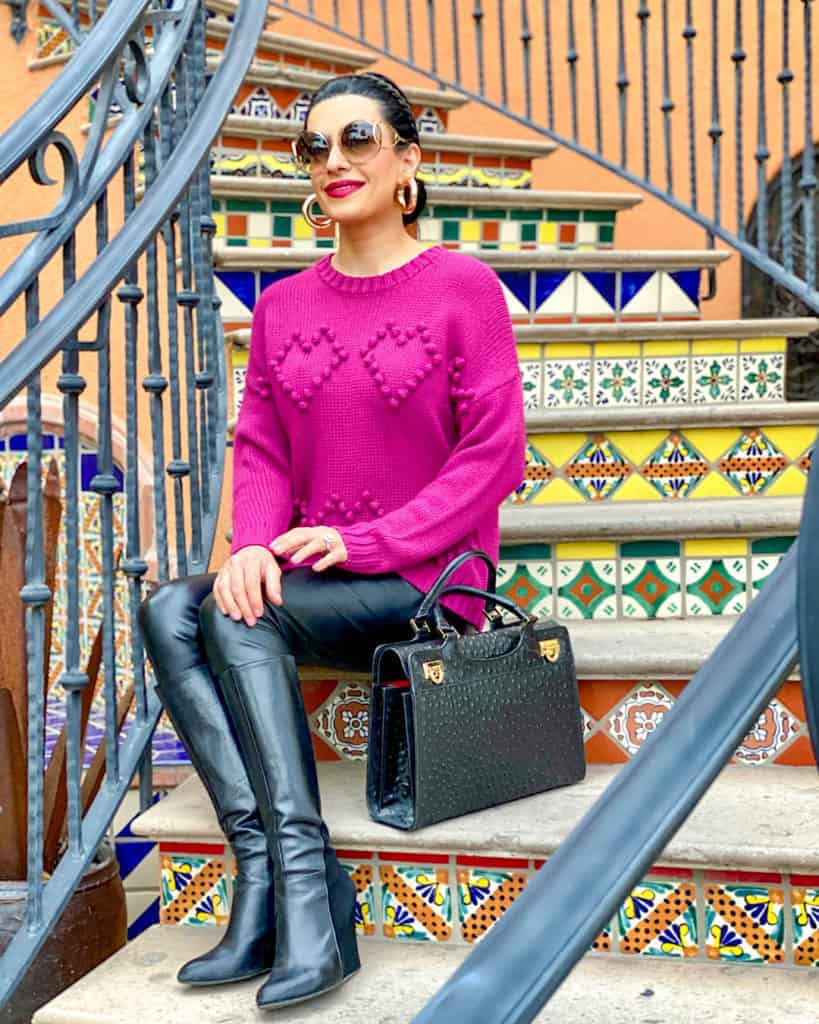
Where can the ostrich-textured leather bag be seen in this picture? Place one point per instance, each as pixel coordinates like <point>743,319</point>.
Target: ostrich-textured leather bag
<point>459,722</point>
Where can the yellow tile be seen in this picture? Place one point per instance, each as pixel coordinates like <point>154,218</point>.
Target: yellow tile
<point>508,246</point>
<point>586,247</point>
<point>717,547</point>
<point>558,448</point>
<point>547,232</point>
<point>221,225</point>
<point>567,349</point>
<point>714,346</point>
<point>301,229</point>
<point>665,348</point>
<point>583,549</point>
<point>715,486</point>
<point>763,345</point>
<point>791,483</point>
<point>529,351</point>
<point>617,349</point>
<point>558,492</point>
<point>238,357</point>
<point>636,488</point>
<point>258,243</point>
<point>637,445</point>
<point>470,231</point>
<point>791,440</point>
<point>712,441</point>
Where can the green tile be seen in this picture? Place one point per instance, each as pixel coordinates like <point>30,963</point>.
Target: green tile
<point>246,206</point>
<point>526,215</point>
<point>605,233</point>
<point>565,216</point>
<point>325,243</point>
<point>237,241</point>
<point>451,231</point>
<point>599,216</point>
<point>528,232</point>
<point>525,552</point>
<point>284,206</point>
<point>282,226</point>
<point>478,214</point>
<point>216,205</point>
<point>490,245</point>
<point>452,212</point>
<point>650,549</point>
<point>771,545</point>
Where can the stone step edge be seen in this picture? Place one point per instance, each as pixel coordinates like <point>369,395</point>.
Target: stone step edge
<point>218,28</point>
<point>270,257</point>
<point>137,984</point>
<point>280,75</point>
<point>279,128</point>
<point>674,330</point>
<point>736,826</point>
<point>296,189</point>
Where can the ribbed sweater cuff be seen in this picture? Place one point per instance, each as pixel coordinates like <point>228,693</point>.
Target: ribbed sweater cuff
<point>364,553</point>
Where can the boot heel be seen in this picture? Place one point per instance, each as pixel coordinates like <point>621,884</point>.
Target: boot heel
<point>342,910</point>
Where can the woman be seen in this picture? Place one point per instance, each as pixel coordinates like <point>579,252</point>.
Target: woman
<point>381,427</point>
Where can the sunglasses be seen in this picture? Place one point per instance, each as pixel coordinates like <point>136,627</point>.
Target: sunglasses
<point>359,141</point>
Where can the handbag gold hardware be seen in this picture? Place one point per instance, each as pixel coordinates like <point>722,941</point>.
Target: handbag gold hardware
<point>550,649</point>
<point>434,671</point>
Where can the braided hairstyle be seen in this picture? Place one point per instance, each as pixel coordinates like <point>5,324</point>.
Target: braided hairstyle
<point>396,110</point>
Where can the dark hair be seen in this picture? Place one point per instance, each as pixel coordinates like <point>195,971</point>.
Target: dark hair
<point>396,110</point>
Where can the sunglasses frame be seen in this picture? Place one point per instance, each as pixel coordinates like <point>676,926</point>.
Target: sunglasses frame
<point>377,134</point>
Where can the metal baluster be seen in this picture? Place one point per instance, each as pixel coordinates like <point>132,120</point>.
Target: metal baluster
<point>92,11</point>
<point>75,13</point>
<point>807,182</point>
<point>785,77</point>
<point>361,28</point>
<point>502,52</point>
<point>336,19</point>
<point>595,37</point>
<point>762,152</point>
<point>550,92</point>
<point>667,106</point>
<point>433,48</point>
<point>715,131</point>
<point>526,39</point>
<point>643,14</point>
<point>689,35</point>
<point>738,56</point>
<point>410,32</point>
<point>456,41</point>
<point>105,484</point>
<point>385,27</point>
<point>477,16</point>
<point>571,60</point>
<point>34,595</point>
<point>622,83</point>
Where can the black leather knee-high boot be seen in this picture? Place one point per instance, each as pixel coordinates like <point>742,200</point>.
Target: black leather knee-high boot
<point>201,720</point>
<point>316,946</point>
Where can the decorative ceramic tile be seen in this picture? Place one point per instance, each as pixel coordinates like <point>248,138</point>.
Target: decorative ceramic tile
<point>362,875</point>
<point>762,377</point>
<point>665,381</point>
<point>531,375</point>
<point>774,730</point>
<point>483,895</point>
<point>651,587</point>
<point>567,383</point>
<point>416,902</point>
<point>753,463</point>
<point>715,586</point>
<point>638,716</point>
<point>766,555</point>
<point>617,382</point>
<point>714,379</point>
<point>529,583</point>
<point>193,889</point>
<point>586,589</point>
<point>805,913</point>
<point>659,919</point>
<point>538,473</point>
<point>343,722</point>
<point>676,467</point>
<point>745,923</point>
<point>598,469</point>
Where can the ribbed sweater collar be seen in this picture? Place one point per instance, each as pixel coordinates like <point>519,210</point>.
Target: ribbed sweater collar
<point>376,282</point>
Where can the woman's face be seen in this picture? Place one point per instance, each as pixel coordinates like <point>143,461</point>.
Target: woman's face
<point>378,177</point>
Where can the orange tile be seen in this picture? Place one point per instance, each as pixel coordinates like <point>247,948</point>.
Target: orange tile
<point>600,696</point>
<point>601,750</point>
<point>791,697</point>
<point>322,750</point>
<point>799,754</point>
<point>491,231</point>
<point>316,692</point>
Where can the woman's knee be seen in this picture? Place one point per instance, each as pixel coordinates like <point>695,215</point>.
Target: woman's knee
<point>169,617</point>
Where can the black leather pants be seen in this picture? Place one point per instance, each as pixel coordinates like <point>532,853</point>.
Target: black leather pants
<point>333,618</point>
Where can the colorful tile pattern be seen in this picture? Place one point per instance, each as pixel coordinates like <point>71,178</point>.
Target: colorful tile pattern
<point>805,920</point>
<point>362,875</point>
<point>659,919</point>
<point>416,902</point>
<point>745,923</point>
<point>194,888</point>
<point>483,895</point>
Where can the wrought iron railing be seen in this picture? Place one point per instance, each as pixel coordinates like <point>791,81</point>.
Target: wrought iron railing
<point>642,89</point>
<point>145,61</point>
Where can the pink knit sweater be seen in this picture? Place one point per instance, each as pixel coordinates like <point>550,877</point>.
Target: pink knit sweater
<point>388,406</point>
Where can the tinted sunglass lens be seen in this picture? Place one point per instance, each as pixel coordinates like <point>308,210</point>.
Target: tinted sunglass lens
<point>359,139</point>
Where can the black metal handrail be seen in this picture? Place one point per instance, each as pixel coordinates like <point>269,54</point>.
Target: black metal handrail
<point>170,115</point>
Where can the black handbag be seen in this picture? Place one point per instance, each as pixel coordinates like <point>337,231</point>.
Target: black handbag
<point>459,722</point>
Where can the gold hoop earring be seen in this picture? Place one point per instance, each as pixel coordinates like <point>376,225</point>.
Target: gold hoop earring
<point>313,221</point>
<point>401,198</point>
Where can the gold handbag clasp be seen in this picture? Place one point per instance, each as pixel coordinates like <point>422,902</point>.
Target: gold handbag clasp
<point>434,671</point>
<point>550,649</point>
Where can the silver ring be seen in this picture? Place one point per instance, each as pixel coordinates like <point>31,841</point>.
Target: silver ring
<point>329,540</point>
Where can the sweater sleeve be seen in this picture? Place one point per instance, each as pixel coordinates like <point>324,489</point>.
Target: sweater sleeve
<point>488,460</point>
<point>262,487</point>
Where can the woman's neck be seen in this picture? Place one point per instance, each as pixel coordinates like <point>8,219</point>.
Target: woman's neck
<point>362,251</point>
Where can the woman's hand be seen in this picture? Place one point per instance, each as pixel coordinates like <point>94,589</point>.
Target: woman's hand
<point>237,588</point>
<point>306,541</point>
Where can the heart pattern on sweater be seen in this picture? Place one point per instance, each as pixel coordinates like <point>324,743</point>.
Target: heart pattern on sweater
<point>301,379</point>
<point>396,387</point>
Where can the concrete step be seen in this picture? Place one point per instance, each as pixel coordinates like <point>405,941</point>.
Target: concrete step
<point>138,984</point>
<point>749,820</point>
<point>292,51</point>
